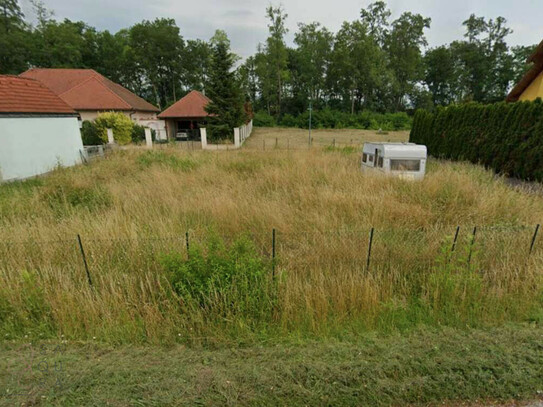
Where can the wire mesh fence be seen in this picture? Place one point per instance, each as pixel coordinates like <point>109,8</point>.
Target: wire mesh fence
<point>358,250</point>
<point>295,144</point>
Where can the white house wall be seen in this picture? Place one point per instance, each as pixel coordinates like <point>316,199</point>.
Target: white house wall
<point>31,146</point>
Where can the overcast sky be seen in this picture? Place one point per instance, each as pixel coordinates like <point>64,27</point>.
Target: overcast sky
<point>245,22</point>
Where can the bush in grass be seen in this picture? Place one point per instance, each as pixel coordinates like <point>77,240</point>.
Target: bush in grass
<point>138,134</point>
<point>89,134</point>
<point>507,137</point>
<point>223,280</point>
<point>121,124</point>
<point>263,119</point>
<point>288,120</point>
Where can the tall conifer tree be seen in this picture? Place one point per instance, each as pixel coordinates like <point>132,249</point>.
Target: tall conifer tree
<point>224,90</point>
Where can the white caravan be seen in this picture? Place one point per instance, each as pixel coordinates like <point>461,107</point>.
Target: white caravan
<point>404,160</point>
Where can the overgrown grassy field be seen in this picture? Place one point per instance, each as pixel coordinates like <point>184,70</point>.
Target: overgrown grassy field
<point>424,320</point>
<point>134,209</point>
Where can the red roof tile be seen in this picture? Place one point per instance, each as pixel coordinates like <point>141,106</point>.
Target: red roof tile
<point>192,105</point>
<point>23,95</point>
<point>86,89</point>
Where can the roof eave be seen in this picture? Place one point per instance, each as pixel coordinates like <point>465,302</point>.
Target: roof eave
<point>526,81</point>
<point>37,114</point>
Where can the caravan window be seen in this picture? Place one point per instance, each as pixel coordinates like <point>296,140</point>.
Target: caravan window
<point>380,162</point>
<point>371,158</point>
<point>405,165</point>
<point>364,157</point>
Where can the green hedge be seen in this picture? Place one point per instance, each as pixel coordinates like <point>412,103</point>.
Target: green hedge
<point>507,137</point>
<point>90,134</point>
<point>335,119</point>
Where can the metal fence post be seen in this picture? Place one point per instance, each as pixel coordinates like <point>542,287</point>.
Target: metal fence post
<point>187,242</point>
<point>455,239</point>
<point>534,238</point>
<point>84,259</point>
<point>472,243</point>
<point>369,249</point>
<point>273,252</point>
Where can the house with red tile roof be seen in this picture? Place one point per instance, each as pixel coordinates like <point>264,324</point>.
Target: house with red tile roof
<point>90,93</point>
<point>38,130</point>
<point>185,117</point>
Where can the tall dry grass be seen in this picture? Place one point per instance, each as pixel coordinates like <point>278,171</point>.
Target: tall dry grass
<point>135,206</point>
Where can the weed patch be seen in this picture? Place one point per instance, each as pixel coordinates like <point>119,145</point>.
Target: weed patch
<point>223,280</point>
<point>63,196</point>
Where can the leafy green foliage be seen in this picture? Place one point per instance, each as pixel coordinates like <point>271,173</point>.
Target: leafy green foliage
<point>158,48</point>
<point>504,137</point>
<point>234,280</point>
<point>15,40</point>
<point>89,134</point>
<point>121,125</point>
<point>138,134</point>
<point>334,119</point>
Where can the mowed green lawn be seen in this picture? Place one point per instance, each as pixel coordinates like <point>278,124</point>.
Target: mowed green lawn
<point>448,367</point>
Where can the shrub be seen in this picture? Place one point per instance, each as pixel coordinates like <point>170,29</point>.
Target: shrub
<point>219,132</point>
<point>263,119</point>
<point>138,134</point>
<point>223,280</point>
<point>288,120</point>
<point>89,134</point>
<point>121,124</point>
<point>507,137</point>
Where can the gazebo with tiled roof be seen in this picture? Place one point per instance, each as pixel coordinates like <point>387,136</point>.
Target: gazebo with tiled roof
<point>186,116</point>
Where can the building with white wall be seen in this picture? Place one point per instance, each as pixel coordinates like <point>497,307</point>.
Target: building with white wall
<point>38,130</point>
<point>89,94</point>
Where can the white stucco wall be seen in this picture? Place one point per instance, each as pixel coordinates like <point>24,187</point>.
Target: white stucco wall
<point>35,145</point>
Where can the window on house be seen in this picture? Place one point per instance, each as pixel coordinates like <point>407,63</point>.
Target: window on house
<point>405,165</point>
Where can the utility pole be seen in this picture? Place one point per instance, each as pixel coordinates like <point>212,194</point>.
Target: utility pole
<point>310,113</point>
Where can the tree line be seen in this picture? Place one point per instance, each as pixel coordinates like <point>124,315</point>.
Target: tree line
<point>373,63</point>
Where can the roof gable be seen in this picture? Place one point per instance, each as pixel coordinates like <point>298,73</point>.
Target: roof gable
<point>97,92</point>
<point>24,95</point>
<point>93,93</point>
<point>537,59</point>
<point>192,105</point>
